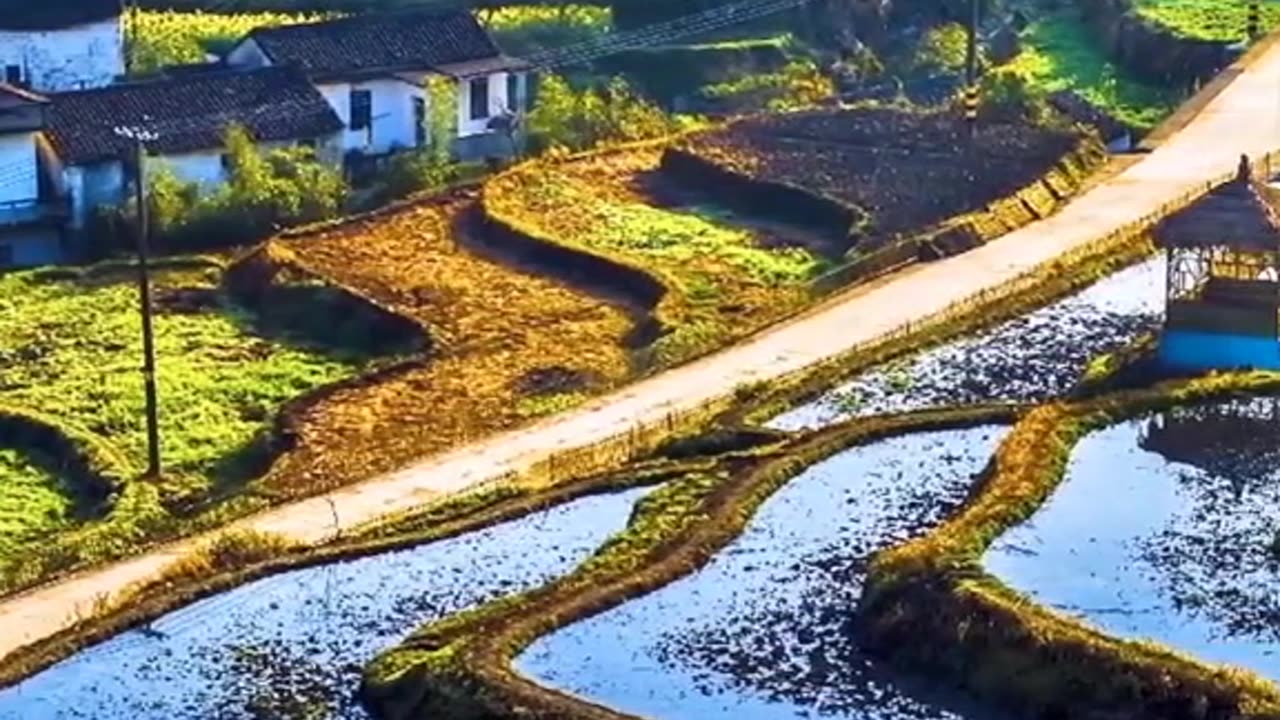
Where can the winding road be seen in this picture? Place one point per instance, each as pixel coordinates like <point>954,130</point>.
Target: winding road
<point>1242,117</point>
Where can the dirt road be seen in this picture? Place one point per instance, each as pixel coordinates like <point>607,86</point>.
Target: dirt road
<point>1243,118</point>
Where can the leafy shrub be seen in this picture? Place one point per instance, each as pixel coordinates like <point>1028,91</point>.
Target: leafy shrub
<point>265,191</point>
<point>799,84</point>
<point>944,48</point>
<point>582,119</point>
<point>162,38</point>
<point>1010,97</point>
<point>526,30</point>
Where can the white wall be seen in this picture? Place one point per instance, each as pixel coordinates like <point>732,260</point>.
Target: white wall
<point>90,55</point>
<point>19,174</point>
<point>497,103</point>
<point>393,123</point>
<point>91,186</point>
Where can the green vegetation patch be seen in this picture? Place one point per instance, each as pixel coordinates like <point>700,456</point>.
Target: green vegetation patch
<point>722,278</point>
<point>529,29</point>
<point>1215,20</point>
<point>33,502</point>
<point>70,346</point>
<point>172,37</point>
<point>1060,53</point>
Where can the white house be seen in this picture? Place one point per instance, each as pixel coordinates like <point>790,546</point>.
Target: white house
<point>184,119</point>
<point>55,45</point>
<point>31,208</point>
<point>373,69</point>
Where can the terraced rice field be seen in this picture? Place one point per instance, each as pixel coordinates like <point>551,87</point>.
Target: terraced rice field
<point>1182,552</point>
<point>507,346</point>
<point>70,350</point>
<point>765,629</point>
<point>291,646</point>
<point>903,171</point>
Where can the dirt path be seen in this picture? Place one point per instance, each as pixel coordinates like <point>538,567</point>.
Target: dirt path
<point>1243,117</point>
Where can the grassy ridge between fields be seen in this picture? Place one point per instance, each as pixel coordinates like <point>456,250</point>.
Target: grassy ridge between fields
<point>929,606</point>
<point>1045,283</point>
<point>461,666</point>
<point>705,282</point>
<point>70,346</point>
<point>234,558</point>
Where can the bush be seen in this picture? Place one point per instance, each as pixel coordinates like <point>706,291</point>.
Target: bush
<point>799,84</point>
<point>943,49</point>
<point>582,119</point>
<point>523,31</point>
<point>1008,97</point>
<point>265,191</point>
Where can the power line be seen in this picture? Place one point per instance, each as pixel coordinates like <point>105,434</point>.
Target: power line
<point>663,32</point>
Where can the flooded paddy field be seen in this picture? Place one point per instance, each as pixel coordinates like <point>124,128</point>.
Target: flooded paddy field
<point>1166,528</point>
<point>1033,357</point>
<point>764,632</point>
<point>293,645</point>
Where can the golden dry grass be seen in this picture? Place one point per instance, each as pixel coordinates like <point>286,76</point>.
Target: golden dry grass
<point>724,279</point>
<point>492,327</point>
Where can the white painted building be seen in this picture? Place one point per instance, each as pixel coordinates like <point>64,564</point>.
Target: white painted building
<point>32,208</point>
<point>373,70</point>
<point>185,119</point>
<point>56,45</point>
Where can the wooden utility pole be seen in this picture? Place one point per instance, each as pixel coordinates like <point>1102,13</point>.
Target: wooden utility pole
<point>144,292</point>
<point>971,69</point>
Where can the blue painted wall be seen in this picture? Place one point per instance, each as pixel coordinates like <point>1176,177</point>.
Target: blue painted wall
<point>1185,350</point>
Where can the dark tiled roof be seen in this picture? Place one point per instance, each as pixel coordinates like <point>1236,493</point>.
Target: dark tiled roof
<point>1239,214</point>
<point>403,40</point>
<point>187,114</point>
<point>52,14</point>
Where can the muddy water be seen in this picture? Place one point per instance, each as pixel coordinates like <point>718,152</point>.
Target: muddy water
<point>1166,528</point>
<point>292,646</point>
<point>1030,358</point>
<point>763,632</point>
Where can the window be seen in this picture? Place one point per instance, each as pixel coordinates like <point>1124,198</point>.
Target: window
<point>228,163</point>
<point>6,256</point>
<point>479,98</point>
<point>420,122</point>
<point>514,101</point>
<point>13,74</point>
<point>361,109</point>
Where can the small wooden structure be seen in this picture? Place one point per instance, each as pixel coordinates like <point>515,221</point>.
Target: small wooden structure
<point>1222,306</point>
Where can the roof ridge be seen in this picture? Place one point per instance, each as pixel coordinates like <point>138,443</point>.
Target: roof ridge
<point>160,79</point>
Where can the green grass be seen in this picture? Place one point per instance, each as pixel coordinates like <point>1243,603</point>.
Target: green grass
<point>70,347</point>
<point>1217,20</point>
<point>525,30</point>
<point>1060,53</point>
<point>33,503</point>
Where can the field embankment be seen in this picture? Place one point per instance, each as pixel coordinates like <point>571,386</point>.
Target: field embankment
<point>507,346</point>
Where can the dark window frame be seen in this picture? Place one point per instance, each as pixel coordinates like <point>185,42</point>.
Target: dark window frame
<point>514,101</point>
<point>418,106</point>
<point>479,101</point>
<point>13,74</point>
<point>361,109</point>
<point>8,258</point>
